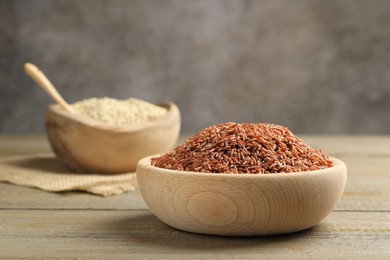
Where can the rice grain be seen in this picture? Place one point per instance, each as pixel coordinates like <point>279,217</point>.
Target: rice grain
<point>244,148</point>
<point>119,112</point>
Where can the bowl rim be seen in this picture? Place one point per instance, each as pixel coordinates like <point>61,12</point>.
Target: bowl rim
<point>338,165</point>
<point>172,111</point>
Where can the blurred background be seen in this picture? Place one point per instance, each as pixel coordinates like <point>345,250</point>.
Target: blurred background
<point>317,67</point>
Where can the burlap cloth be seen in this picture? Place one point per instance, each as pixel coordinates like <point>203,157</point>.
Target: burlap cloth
<point>46,172</point>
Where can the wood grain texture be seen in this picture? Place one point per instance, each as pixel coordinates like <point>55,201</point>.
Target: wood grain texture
<point>240,204</point>
<point>135,234</point>
<point>87,145</point>
<point>40,78</point>
<point>38,224</point>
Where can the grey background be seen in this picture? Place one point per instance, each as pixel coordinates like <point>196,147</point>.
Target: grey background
<point>317,67</point>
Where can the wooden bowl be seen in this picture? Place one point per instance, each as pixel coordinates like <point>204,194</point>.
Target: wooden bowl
<point>87,145</point>
<point>241,204</point>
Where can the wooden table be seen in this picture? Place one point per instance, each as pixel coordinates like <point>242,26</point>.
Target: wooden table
<point>39,224</point>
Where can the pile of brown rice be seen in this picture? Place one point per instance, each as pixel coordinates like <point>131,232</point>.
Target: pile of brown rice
<point>244,148</point>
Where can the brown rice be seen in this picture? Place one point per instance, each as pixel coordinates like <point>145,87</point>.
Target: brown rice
<point>244,148</point>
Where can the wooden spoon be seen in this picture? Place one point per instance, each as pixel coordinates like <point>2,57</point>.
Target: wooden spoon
<point>37,75</point>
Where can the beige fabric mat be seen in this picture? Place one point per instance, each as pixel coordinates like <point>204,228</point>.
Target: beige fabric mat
<point>46,172</point>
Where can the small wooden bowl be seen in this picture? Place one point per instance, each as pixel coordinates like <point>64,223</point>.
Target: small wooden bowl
<point>87,145</point>
<point>241,204</point>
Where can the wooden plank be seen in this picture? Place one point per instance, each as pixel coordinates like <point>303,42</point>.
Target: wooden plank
<point>362,145</point>
<point>117,234</point>
<point>17,197</point>
<point>27,144</point>
<point>367,189</point>
<point>358,145</point>
<point>361,193</point>
<point>38,224</point>
<point>367,185</point>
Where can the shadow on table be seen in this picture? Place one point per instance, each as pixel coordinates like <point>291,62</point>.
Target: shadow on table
<point>148,229</point>
<point>43,162</point>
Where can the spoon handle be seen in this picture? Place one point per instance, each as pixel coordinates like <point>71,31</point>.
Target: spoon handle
<point>40,78</point>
